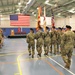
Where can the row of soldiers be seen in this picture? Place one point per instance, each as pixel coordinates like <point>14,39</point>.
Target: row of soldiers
<point>1,38</point>
<point>48,39</point>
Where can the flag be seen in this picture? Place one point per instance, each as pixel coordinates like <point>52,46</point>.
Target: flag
<point>19,20</point>
<point>44,21</point>
<point>38,19</point>
<point>52,19</point>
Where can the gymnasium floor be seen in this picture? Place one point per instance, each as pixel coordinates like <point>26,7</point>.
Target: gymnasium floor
<point>14,60</point>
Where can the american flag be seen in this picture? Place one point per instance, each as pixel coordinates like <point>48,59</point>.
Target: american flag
<point>52,19</point>
<point>19,20</point>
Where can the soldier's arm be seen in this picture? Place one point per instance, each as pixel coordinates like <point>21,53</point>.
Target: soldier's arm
<point>27,38</point>
<point>36,35</point>
<point>63,40</point>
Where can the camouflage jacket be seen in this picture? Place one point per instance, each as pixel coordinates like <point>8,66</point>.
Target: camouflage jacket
<point>54,36</point>
<point>30,37</point>
<point>67,39</point>
<point>47,38</point>
<point>39,36</point>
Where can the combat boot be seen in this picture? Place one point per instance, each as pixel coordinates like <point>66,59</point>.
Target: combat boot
<point>32,56</point>
<point>67,66</point>
<point>29,54</point>
<point>40,55</point>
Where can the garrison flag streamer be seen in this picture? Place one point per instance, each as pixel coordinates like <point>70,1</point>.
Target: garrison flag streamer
<point>52,19</point>
<point>38,20</point>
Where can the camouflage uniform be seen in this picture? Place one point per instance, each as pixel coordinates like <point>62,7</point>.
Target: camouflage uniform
<point>67,44</point>
<point>59,40</point>
<point>53,34</point>
<point>39,37</point>
<point>0,39</point>
<point>31,42</point>
<point>47,42</point>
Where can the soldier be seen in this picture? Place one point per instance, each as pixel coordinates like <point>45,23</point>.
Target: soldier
<point>0,38</point>
<point>39,37</point>
<point>53,36</point>
<point>47,41</point>
<point>31,42</point>
<point>67,45</point>
<point>59,39</point>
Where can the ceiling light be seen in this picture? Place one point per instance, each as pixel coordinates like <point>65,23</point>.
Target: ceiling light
<point>18,10</point>
<point>29,2</point>
<point>72,10</point>
<point>32,12</point>
<point>55,5</point>
<point>37,8</point>
<point>59,14</point>
<point>47,2</point>
<point>19,3</point>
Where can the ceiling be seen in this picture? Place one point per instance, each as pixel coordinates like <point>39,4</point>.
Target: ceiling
<point>58,7</point>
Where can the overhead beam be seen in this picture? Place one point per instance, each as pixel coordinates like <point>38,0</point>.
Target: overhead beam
<point>9,5</point>
<point>7,11</point>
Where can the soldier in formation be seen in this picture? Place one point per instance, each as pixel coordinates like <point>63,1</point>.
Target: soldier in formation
<point>31,42</point>
<point>47,41</point>
<point>39,40</point>
<point>59,37</point>
<point>1,38</point>
<point>67,45</point>
<point>54,38</point>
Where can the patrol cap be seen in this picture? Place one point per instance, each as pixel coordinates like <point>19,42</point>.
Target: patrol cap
<point>67,26</point>
<point>47,27</point>
<point>40,27</point>
<point>53,27</point>
<point>60,28</point>
<point>31,29</point>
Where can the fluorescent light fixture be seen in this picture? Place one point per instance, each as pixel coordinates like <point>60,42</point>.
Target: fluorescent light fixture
<point>47,2</point>
<point>32,12</point>
<point>18,10</point>
<point>59,14</point>
<point>72,10</point>
<point>37,8</point>
<point>19,3</point>
<point>29,1</point>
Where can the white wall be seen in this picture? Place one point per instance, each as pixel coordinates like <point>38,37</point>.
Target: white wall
<point>62,22</point>
<point>59,22</point>
<point>5,22</point>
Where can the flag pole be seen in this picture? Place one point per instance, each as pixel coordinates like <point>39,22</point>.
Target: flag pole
<point>52,18</point>
<point>44,24</point>
<point>38,18</point>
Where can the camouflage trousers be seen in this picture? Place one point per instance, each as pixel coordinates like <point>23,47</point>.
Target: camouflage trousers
<point>39,48</point>
<point>39,45</point>
<point>67,55</point>
<point>58,48</point>
<point>55,48</point>
<point>46,47</point>
<point>31,48</point>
